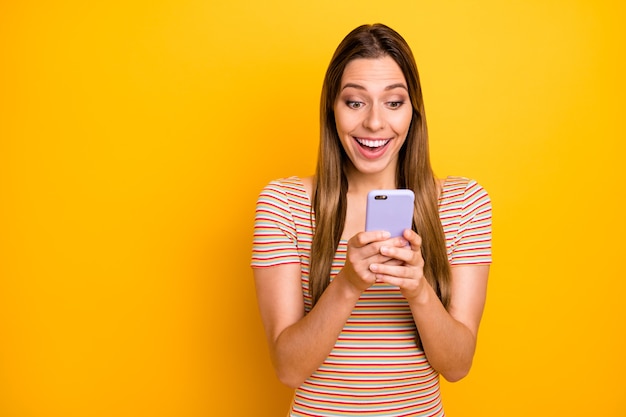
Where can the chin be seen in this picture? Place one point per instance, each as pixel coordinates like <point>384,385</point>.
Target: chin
<point>373,168</point>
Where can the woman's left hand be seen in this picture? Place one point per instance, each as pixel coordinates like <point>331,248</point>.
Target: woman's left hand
<point>409,273</point>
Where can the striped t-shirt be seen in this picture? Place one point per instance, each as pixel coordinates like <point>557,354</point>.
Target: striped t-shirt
<point>376,367</point>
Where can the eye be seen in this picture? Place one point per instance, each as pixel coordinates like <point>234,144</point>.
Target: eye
<point>355,104</point>
<point>395,104</point>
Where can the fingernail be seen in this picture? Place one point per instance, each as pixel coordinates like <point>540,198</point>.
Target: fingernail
<point>373,267</point>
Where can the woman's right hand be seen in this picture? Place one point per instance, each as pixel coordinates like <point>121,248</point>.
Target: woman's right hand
<point>364,250</point>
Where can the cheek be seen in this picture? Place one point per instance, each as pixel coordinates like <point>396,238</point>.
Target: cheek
<point>402,121</point>
<point>343,123</point>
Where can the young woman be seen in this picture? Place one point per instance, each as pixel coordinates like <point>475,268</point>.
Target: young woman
<point>357,322</point>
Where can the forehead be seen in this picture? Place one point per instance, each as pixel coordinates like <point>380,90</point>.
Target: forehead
<point>382,70</point>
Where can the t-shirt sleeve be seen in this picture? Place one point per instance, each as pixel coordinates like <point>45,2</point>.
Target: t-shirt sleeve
<point>473,244</point>
<point>275,239</point>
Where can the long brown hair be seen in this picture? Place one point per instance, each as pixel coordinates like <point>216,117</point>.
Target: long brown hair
<point>414,168</point>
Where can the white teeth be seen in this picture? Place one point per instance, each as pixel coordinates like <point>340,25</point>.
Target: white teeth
<point>373,143</point>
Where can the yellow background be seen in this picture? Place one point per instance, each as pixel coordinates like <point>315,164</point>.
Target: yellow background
<point>136,135</point>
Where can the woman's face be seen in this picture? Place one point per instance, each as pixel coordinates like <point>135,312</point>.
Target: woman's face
<point>373,113</point>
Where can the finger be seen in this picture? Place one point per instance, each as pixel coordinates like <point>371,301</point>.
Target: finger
<point>407,286</point>
<point>398,282</point>
<point>413,238</point>
<point>391,261</point>
<point>378,258</point>
<point>405,254</point>
<point>415,242</point>
<point>381,271</point>
<point>368,254</point>
<point>372,254</point>
<point>398,242</point>
<point>365,238</point>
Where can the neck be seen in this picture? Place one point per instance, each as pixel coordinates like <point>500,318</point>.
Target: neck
<point>361,183</point>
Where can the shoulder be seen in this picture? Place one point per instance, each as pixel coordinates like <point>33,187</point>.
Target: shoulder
<point>461,189</point>
<point>289,193</point>
<point>465,212</point>
<point>308,183</point>
<point>285,187</point>
<point>464,198</point>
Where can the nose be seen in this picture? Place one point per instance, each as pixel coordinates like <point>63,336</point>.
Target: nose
<point>374,119</point>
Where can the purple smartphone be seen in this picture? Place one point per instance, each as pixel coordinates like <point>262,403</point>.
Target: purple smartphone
<point>389,210</point>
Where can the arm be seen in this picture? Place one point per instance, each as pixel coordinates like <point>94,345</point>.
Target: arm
<point>448,337</point>
<point>300,343</point>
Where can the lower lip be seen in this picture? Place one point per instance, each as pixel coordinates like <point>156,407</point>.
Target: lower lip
<point>371,153</point>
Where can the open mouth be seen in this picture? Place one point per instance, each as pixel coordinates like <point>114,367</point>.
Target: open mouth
<point>372,144</point>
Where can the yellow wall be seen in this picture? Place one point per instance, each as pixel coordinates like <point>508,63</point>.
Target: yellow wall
<point>135,136</point>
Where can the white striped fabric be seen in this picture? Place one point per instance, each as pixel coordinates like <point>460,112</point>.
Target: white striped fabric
<point>375,368</point>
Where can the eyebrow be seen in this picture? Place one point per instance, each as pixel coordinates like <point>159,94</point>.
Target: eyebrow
<point>389,87</point>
